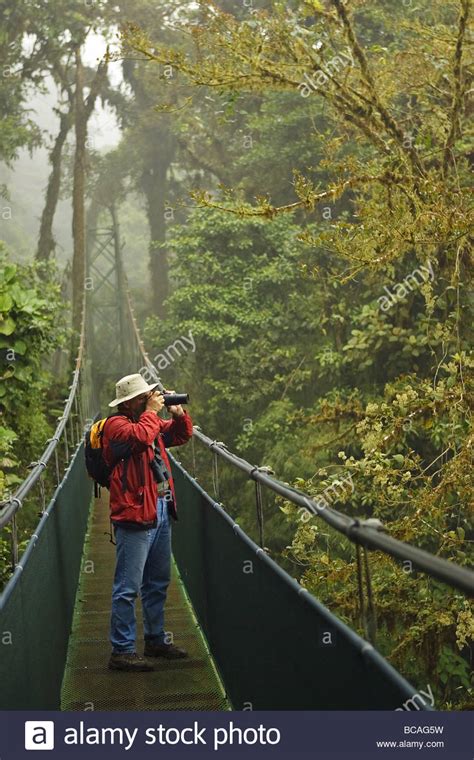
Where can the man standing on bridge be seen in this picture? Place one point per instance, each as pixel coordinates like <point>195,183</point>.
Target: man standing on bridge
<point>142,498</point>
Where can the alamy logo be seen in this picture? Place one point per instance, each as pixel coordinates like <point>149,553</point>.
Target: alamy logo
<point>39,734</point>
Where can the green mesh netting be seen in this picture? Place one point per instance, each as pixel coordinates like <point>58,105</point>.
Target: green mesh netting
<point>275,645</point>
<point>37,606</point>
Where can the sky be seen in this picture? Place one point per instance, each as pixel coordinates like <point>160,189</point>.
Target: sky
<point>103,126</point>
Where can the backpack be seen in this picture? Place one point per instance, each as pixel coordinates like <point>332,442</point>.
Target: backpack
<point>97,467</point>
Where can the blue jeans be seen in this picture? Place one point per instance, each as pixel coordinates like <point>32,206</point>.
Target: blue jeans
<point>143,567</point>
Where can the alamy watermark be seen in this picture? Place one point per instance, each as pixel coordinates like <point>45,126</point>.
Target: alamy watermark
<point>322,76</point>
<point>172,352</point>
<point>401,289</point>
<point>412,704</point>
<point>333,492</point>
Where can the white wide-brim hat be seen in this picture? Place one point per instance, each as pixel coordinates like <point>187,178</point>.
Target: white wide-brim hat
<point>130,386</point>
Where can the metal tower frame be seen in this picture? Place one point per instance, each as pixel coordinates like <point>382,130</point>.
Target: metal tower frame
<point>107,301</point>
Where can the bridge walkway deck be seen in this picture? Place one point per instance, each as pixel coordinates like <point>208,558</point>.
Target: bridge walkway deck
<point>186,684</point>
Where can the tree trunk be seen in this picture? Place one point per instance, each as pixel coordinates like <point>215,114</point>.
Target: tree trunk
<point>154,185</point>
<point>46,242</point>
<point>78,211</point>
<point>158,262</point>
<point>82,111</point>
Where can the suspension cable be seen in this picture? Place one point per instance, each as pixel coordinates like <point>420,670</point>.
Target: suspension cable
<point>146,360</point>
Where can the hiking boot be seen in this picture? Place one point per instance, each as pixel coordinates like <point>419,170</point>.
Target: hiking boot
<point>129,661</point>
<point>164,650</point>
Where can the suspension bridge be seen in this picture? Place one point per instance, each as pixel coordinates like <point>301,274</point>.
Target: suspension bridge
<point>257,640</point>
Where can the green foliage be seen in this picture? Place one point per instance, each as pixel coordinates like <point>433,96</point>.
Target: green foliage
<point>18,129</point>
<point>239,292</point>
<point>349,350</point>
<point>32,327</point>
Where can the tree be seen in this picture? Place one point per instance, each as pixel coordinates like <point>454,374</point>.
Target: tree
<point>82,112</point>
<point>56,45</point>
<point>46,243</point>
<point>386,391</point>
<point>149,146</point>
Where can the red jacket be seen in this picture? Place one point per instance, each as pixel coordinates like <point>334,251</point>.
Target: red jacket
<point>138,502</point>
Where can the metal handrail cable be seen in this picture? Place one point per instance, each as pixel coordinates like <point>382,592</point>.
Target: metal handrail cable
<point>364,532</point>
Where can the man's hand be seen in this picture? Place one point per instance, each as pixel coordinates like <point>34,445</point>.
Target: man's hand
<point>155,402</point>
<point>176,411</point>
